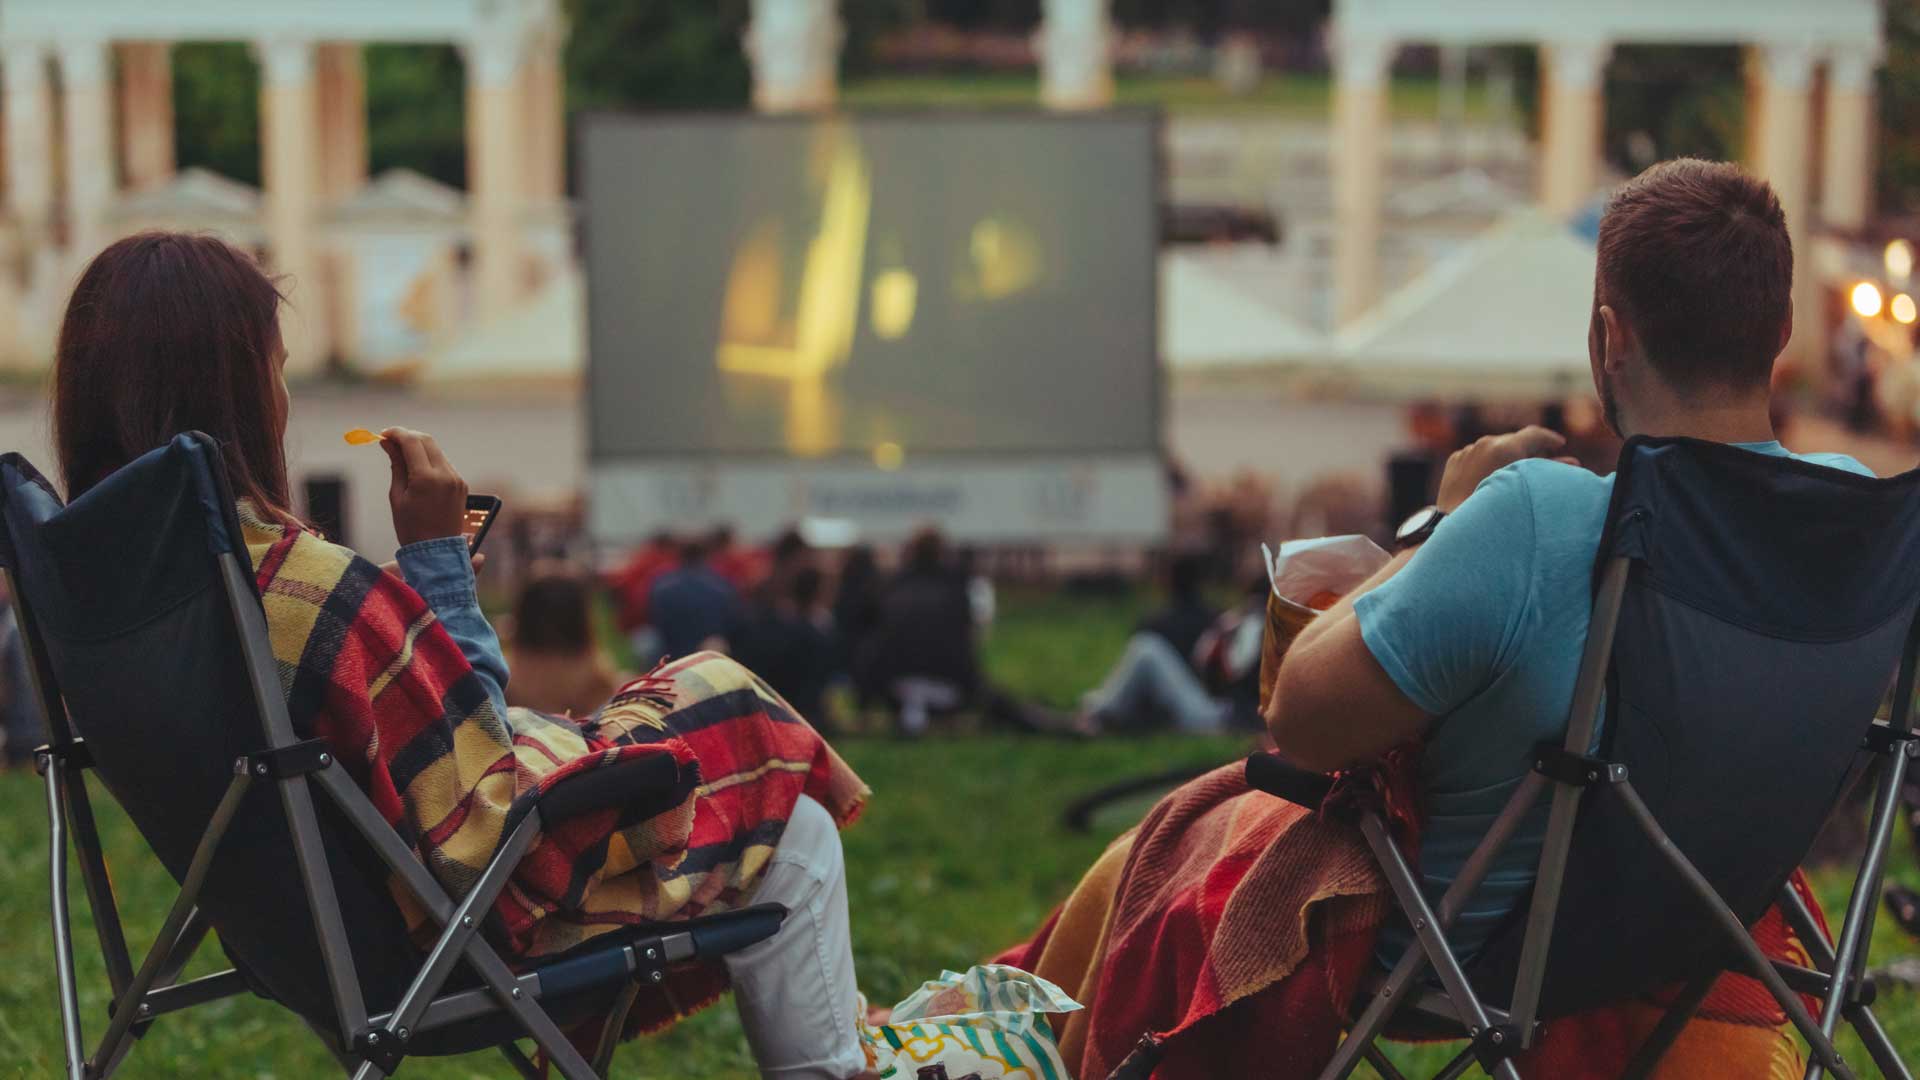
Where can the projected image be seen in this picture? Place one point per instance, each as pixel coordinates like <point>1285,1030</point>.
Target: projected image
<point>871,287</point>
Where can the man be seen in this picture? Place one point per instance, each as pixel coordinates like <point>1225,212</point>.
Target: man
<point>692,607</point>
<point>1469,640</point>
<point>1187,615</point>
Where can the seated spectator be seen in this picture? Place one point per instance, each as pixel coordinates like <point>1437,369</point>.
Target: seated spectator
<point>1442,673</point>
<point>631,586</point>
<point>856,614</point>
<point>923,653</point>
<point>402,675</point>
<point>692,607</point>
<point>1187,615</point>
<point>557,663</point>
<point>1208,689</point>
<point>788,641</point>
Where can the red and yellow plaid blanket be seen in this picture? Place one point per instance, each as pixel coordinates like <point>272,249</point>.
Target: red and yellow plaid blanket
<point>366,666</point>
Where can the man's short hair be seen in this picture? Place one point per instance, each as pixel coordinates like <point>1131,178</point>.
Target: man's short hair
<point>1694,255</point>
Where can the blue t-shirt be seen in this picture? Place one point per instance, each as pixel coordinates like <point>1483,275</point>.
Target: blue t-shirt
<point>1483,629</point>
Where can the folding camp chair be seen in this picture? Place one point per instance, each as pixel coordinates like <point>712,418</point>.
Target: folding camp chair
<point>1749,612</point>
<point>151,659</point>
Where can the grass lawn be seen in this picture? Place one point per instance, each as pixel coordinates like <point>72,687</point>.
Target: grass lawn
<point>960,855</point>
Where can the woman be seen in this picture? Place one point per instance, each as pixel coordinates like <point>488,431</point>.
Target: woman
<point>400,672</point>
<point>557,663</point>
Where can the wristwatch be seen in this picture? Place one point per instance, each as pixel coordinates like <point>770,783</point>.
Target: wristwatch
<point>1414,531</point>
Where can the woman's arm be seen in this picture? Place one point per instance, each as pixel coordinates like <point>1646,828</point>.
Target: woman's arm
<point>441,571</point>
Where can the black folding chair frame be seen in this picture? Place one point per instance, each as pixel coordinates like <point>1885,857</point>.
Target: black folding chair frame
<point>367,1047</point>
<point>1839,976</point>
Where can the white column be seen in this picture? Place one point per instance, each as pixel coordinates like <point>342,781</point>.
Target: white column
<point>1574,102</point>
<point>1784,126</point>
<point>1075,46</point>
<point>495,169</point>
<point>545,100</point>
<point>1846,174</point>
<point>29,135</point>
<point>794,46</point>
<point>1359,155</point>
<point>343,120</point>
<point>146,112</point>
<point>290,175</point>
<point>87,104</point>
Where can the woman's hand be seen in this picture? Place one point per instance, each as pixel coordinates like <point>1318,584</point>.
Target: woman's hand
<point>428,497</point>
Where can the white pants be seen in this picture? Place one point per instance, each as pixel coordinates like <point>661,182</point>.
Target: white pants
<point>795,991</point>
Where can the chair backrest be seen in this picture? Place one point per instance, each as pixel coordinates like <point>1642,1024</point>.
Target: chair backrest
<point>1768,606</point>
<point>134,621</point>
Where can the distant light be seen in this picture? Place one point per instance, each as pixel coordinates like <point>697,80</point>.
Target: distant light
<point>1866,299</point>
<point>888,455</point>
<point>1904,309</point>
<point>1899,258</point>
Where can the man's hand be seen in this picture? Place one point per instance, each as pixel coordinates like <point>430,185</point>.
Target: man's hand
<point>428,497</point>
<point>1471,464</point>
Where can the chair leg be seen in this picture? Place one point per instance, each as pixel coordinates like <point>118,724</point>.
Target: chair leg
<point>1756,961</point>
<point>1660,1040</point>
<point>520,1062</point>
<point>1381,1065</point>
<point>1807,929</point>
<point>614,1027</point>
<point>1458,1067</point>
<point>1849,951</point>
<point>62,931</point>
<point>1427,930</point>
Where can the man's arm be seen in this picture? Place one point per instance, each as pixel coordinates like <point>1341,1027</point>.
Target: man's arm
<point>1334,704</point>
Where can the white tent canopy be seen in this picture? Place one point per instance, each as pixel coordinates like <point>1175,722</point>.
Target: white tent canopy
<point>1506,315</point>
<point>1211,320</point>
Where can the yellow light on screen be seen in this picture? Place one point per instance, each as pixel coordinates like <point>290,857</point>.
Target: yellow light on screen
<point>1899,259</point>
<point>893,295</point>
<point>1866,299</point>
<point>889,455</point>
<point>1903,309</point>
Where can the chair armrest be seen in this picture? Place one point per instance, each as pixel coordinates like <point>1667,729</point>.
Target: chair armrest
<point>1268,773</point>
<point>704,938</point>
<point>644,785</point>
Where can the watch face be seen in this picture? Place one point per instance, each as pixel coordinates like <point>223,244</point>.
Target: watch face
<point>1419,520</point>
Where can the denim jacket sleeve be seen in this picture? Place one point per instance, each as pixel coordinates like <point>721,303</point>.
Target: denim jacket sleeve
<point>441,572</point>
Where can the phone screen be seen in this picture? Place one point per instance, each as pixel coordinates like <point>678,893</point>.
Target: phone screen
<point>480,514</point>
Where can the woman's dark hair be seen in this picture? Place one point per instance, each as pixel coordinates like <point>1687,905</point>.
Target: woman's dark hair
<point>554,614</point>
<point>168,333</point>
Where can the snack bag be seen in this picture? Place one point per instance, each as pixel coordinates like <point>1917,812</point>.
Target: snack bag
<point>1308,576</point>
<point>985,1024</point>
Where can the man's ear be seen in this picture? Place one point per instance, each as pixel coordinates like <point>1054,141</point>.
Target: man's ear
<point>1786,331</point>
<point>1615,339</point>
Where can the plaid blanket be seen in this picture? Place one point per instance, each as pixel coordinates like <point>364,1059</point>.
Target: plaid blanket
<point>1229,916</point>
<point>366,666</point>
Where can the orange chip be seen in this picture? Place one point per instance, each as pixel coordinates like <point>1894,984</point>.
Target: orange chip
<point>360,437</point>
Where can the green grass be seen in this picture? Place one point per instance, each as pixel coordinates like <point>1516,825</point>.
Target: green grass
<point>1289,95</point>
<point>960,854</point>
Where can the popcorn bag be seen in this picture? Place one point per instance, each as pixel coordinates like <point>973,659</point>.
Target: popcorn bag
<point>984,1025</point>
<point>1308,577</point>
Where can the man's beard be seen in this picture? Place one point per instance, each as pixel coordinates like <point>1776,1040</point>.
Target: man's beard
<point>1610,406</point>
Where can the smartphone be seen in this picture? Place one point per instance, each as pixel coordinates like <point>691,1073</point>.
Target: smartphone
<point>481,510</point>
